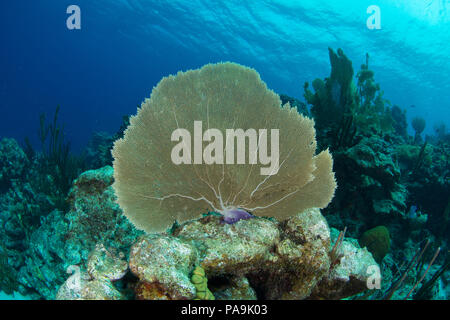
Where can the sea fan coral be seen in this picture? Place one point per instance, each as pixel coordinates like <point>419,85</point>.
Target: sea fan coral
<point>153,191</point>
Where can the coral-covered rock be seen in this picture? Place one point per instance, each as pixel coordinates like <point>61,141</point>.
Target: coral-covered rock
<point>94,223</point>
<point>350,275</point>
<point>100,289</point>
<point>92,182</point>
<point>309,231</point>
<point>44,265</point>
<point>233,288</point>
<point>370,190</point>
<point>278,260</point>
<point>151,291</point>
<point>88,289</point>
<point>94,216</point>
<point>104,264</point>
<point>231,248</point>
<point>13,161</point>
<point>163,265</point>
<point>372,156</point>
<point>254,258</point>
<point>96,284</point>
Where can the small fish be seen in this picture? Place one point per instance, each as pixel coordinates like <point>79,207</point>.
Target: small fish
<point>412,106</point>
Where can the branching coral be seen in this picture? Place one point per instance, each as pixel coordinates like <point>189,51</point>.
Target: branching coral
<point>57,165</point>
<point>153,191</point>
<point>418,125</point>
<point>334,98</point>
<point>343,109</point>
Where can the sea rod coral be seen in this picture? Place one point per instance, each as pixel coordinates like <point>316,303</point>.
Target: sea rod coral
<point>153,191</point>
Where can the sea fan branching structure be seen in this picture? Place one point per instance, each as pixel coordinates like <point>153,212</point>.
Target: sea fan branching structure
<point>154,191</point>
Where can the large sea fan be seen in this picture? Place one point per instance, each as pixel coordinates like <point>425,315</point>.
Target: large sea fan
<point>154,192</point>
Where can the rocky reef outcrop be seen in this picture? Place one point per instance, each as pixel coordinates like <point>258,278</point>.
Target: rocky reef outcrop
<point>258,258</point>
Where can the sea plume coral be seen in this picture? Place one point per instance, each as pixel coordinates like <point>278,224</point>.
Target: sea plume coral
<point>153,191</point>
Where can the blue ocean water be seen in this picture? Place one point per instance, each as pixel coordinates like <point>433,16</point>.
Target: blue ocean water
<point>124,47</point>
<point>104,70</point>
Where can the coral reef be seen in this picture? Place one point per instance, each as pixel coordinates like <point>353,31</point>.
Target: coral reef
<point>64,236</point>
<point>13,162</point>
<point>371,190</point>
<point>254,258</point>
<point>41,246</point>
<point>381,170</point>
